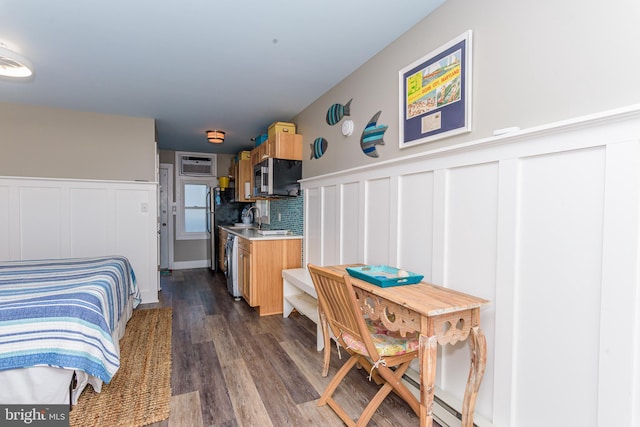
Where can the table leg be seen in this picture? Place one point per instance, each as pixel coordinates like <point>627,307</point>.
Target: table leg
<point>428,360</point>
<point>478,344</point>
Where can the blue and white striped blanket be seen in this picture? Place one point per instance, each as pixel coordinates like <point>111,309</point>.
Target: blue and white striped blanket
<point>62,313</point>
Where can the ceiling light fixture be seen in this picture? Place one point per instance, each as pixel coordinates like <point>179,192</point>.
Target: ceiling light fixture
<point>215,136</point>
<point>13,65</point>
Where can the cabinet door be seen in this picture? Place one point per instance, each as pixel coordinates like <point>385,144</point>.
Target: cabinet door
<point>255,155</point>
<point>268,150</point>
<point>260,153</point>
<point>245,175</point>
<point>287,146</point>
<point>244,272</point>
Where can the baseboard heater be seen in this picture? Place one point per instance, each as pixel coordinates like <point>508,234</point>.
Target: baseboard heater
<point>446,408</point>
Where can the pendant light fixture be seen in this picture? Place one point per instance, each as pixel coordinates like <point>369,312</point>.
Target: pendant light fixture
<point>215,136</point>
<point>13,65</point>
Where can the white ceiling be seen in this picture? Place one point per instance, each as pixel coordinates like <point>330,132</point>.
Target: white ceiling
<point>195,65</point>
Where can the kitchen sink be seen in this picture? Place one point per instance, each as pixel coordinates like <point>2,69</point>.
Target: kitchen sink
<point>272,232</point>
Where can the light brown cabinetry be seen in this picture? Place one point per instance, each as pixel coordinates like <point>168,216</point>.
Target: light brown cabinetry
<point>283,146</point>
<point>260,265</point>
<point>243,174</point>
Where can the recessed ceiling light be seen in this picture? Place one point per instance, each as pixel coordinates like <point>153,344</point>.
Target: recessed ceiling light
<point>14,65</point>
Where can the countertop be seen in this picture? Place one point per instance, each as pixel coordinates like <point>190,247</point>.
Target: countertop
<point>251,233</point>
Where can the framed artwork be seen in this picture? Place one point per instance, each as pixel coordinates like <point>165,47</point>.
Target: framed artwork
<point>435,94</point>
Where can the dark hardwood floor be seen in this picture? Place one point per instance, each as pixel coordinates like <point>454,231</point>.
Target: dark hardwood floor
<point>231,367</point>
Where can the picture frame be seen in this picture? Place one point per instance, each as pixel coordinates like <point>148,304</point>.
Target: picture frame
<point>435,93</point>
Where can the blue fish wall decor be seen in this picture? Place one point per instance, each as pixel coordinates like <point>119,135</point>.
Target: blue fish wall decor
<point>336,112</point>
<point>372,136</point>
<point>318,148</point>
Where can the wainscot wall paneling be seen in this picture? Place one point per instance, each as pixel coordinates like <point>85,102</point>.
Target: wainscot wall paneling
<point>330,225</point>
<point>65,218</point>
<point>313,223</point>
<point>544,223</point>
<point>349,228</point>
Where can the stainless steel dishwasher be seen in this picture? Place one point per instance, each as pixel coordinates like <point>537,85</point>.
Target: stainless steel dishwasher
<point>231,265</point>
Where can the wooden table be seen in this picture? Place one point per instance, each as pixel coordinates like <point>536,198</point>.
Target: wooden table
<point>441,316</point>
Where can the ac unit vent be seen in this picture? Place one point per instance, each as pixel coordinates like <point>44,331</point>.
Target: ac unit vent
<point>196,166</point>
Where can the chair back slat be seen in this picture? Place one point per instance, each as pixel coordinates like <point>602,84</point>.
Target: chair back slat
<point>338,301</point>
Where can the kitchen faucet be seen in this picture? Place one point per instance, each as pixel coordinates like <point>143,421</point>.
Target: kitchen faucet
<point>259,215</point>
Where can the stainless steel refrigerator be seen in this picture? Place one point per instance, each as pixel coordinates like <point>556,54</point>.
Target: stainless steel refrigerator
<point>223,210</point>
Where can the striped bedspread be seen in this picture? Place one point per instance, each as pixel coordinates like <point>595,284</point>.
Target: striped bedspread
<point>62,313</point>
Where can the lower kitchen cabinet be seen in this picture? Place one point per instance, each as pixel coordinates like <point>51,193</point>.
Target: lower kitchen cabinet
<point>260,265</point>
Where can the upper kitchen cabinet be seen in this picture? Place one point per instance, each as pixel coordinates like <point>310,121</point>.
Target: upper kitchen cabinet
<point>282,143</point>
<point>282,146</point>
<point>242,173</point>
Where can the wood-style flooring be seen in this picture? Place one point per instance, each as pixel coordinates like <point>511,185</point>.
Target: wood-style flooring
<point>231,367</point>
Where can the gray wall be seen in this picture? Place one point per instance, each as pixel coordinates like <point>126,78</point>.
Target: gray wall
<point>533,63</point>
<point>59,143</point>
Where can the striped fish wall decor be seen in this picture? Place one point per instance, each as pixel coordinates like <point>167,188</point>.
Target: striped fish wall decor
<point>336,112</point>
<point>372,136</point>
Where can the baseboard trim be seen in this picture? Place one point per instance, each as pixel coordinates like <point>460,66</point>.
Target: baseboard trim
<point>446,408</point>
<point>185,265</point>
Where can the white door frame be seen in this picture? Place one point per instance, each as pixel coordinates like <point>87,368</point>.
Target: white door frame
<point>166,204</point>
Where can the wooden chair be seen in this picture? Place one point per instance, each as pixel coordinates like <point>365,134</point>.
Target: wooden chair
<point>369,344</point>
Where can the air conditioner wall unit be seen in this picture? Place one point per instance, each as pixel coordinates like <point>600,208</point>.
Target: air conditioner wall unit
<point>196,166</point>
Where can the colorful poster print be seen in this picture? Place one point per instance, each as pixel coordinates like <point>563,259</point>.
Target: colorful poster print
<point>435,94</point>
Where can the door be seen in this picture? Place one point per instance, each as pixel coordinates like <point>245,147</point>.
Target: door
<point>166,229</point>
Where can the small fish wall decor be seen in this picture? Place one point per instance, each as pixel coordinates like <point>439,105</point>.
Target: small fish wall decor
<point>318,148</point>
<point>336,112</point>
<point>372,136</point>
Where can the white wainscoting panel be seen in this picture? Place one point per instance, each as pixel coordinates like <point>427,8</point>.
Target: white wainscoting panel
<point>471,223</point>
<point>313,226</point>
<point>415,223</point>
<point>351,224</point>
<point>377,221</point>
<point>330,223</point>
<point>544,223</point>
<point>559,281</point>
<point>60,218</point>
<point>41,220</point>
<point>90,221</point>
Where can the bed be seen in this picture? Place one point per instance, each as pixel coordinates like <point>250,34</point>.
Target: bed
<point>60,325</point>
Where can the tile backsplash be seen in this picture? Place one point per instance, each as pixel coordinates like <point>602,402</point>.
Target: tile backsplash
<point>291,214</point>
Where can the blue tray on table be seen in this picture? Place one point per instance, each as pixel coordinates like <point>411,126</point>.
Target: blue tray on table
<point>384,275</point>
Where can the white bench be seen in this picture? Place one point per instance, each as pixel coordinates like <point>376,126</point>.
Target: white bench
<point>299,293</point>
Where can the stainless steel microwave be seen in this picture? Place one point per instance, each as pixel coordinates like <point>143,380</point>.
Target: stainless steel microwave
<point>277,178</point>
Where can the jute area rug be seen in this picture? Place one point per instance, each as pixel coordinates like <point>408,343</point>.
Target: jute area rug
<point>140,391</point>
